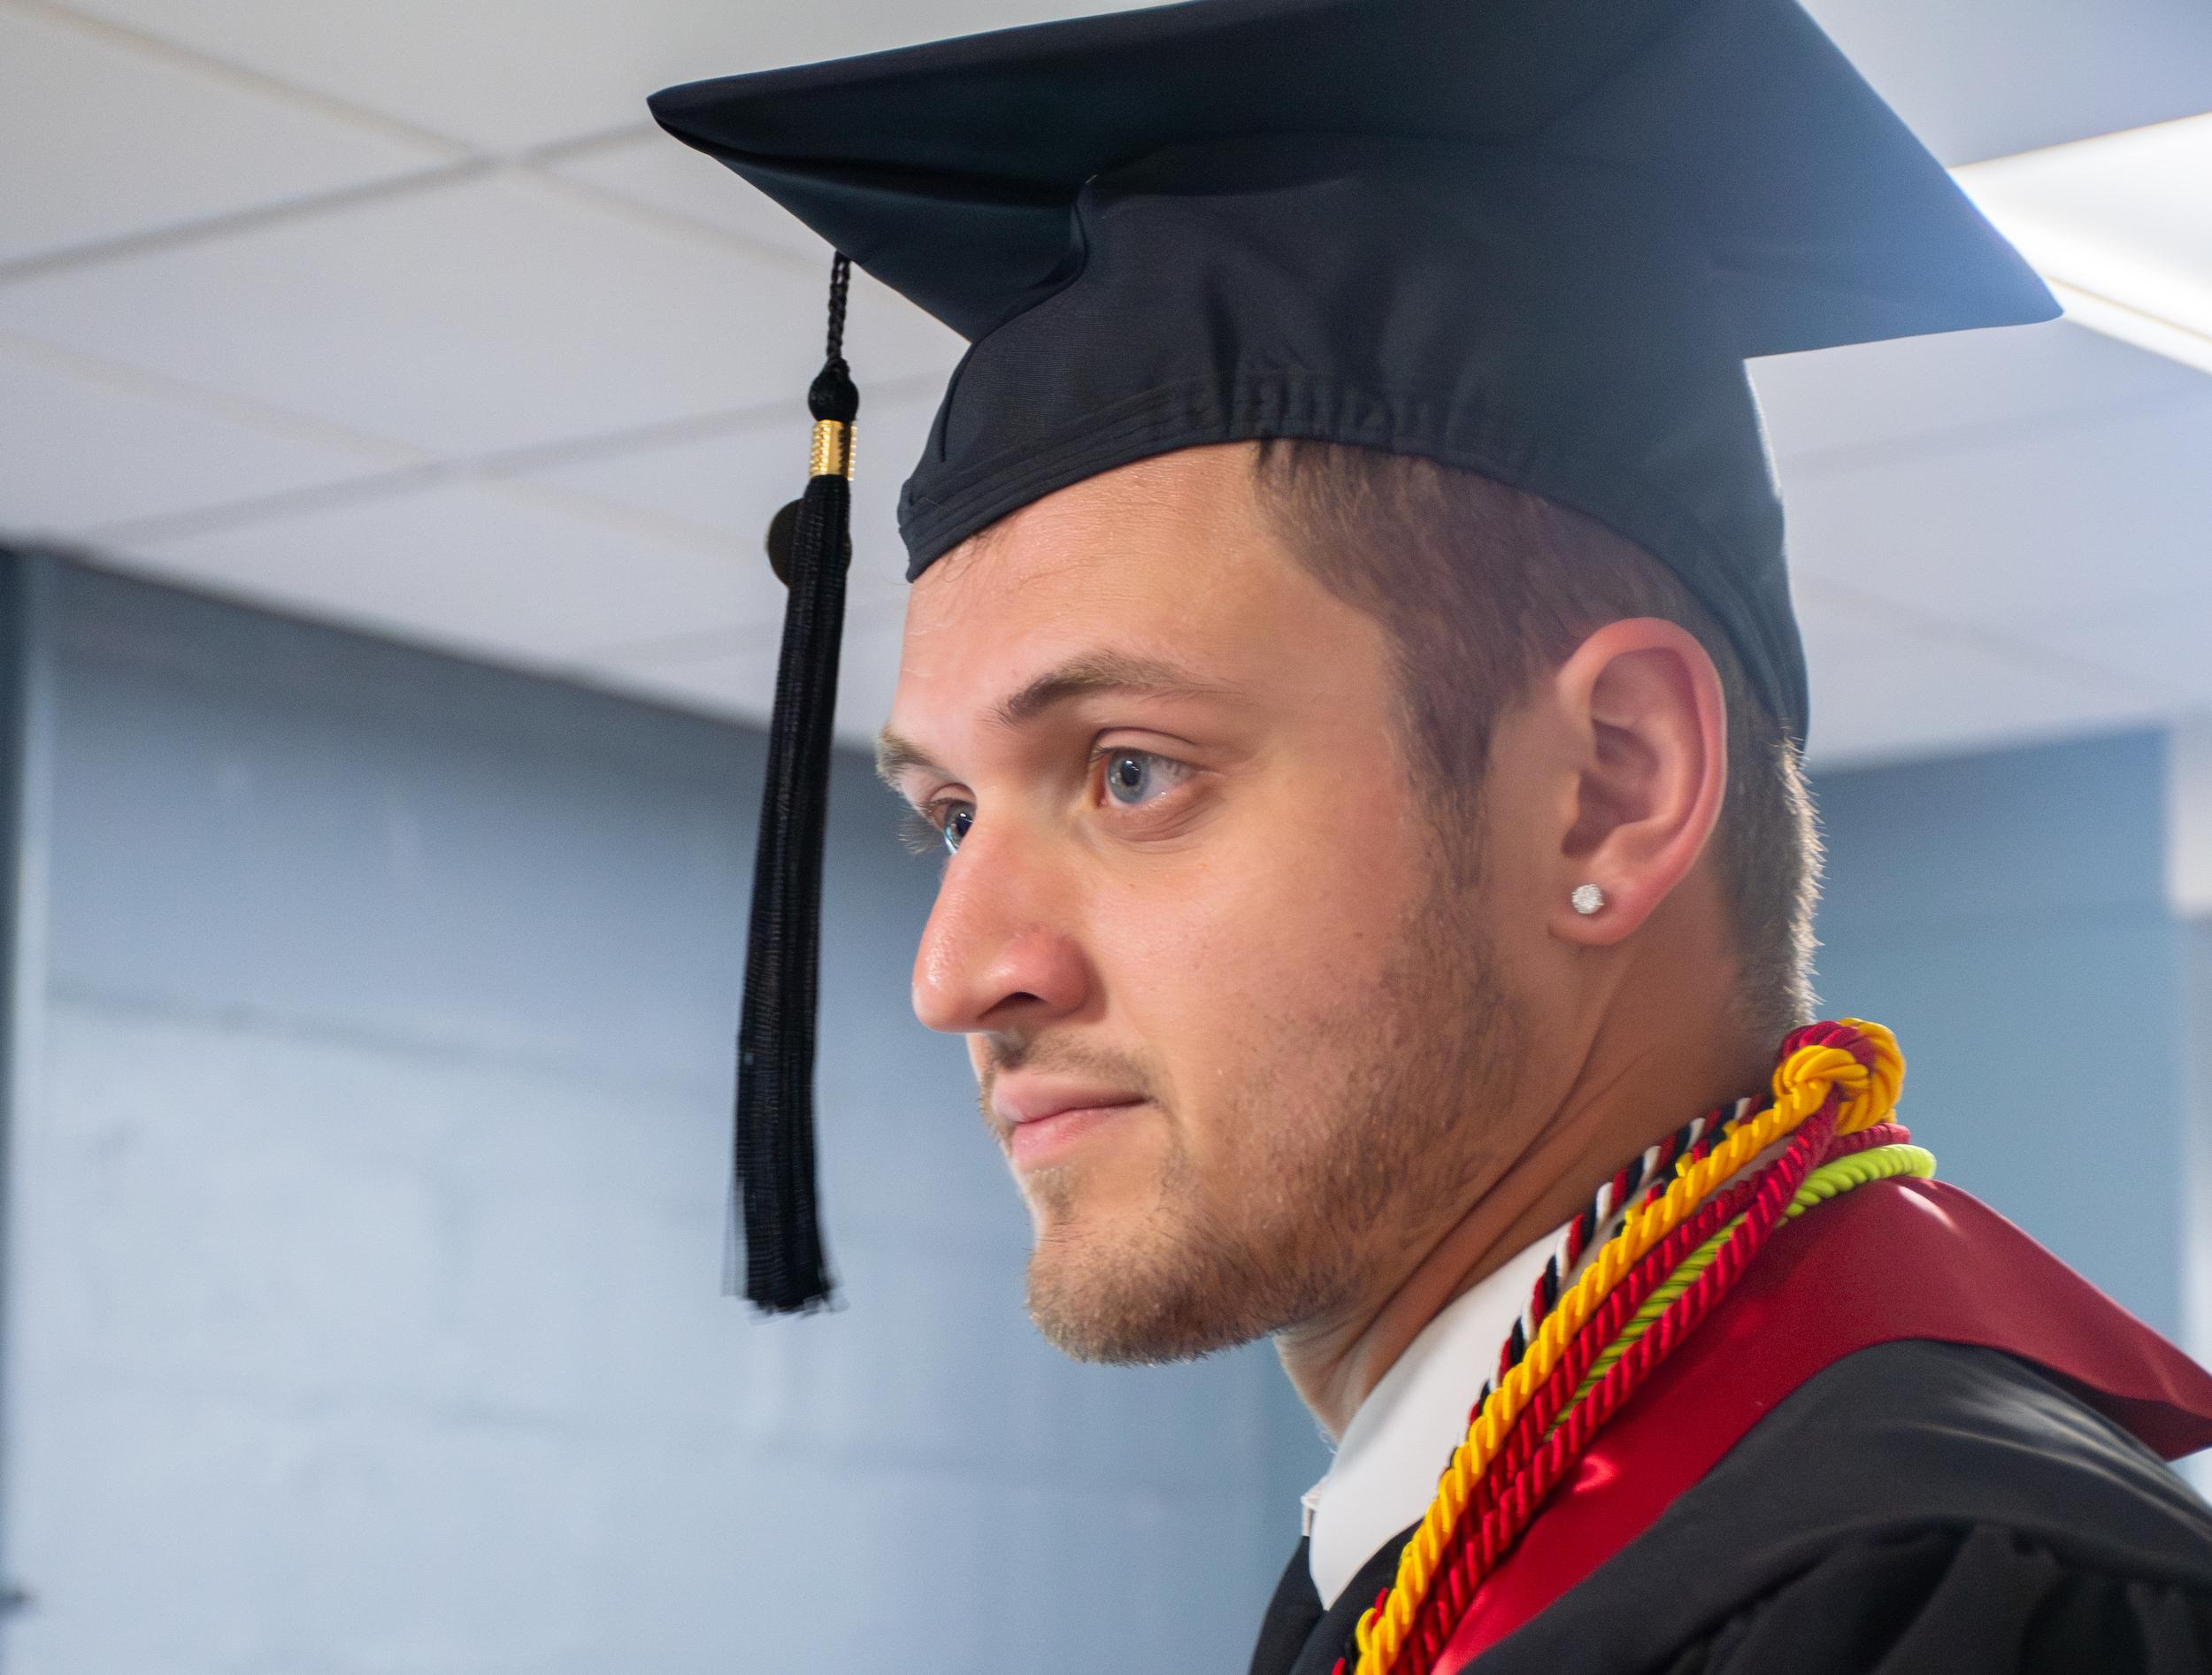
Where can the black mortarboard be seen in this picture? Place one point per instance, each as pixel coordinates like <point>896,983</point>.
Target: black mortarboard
<point>1535,239</point>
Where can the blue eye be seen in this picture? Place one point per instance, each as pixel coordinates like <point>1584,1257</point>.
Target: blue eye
<point>958,819</point>
<point>1137,776</point>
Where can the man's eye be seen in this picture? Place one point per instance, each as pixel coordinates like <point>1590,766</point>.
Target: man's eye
<point>953,821</point>
<point>1133,776</point>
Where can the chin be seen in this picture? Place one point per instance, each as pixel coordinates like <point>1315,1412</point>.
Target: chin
<point>1139,1287</point>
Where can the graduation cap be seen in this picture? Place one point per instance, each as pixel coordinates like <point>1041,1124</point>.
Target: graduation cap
<point>1534,238</point>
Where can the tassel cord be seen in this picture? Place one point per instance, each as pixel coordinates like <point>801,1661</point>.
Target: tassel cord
<point>784,1265</point>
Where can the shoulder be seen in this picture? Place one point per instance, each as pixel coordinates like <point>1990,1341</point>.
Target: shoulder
<point>1914,1506</point>
<point>1913,1433</point>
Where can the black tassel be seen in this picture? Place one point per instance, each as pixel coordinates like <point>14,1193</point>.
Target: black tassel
<point>772,1190</point>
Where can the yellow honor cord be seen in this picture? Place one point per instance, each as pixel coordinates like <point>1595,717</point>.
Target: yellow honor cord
<point>1802,1083</point>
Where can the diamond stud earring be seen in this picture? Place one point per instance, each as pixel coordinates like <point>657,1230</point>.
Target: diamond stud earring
<point>1586,899</point>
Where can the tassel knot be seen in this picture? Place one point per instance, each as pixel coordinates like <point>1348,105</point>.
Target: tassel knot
<point>832,395</point>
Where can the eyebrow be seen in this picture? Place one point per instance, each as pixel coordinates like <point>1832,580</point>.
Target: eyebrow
<point>1086,676</point>
<point>895,754</point>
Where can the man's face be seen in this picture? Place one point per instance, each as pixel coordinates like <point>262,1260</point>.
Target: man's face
<point>1224,989</point>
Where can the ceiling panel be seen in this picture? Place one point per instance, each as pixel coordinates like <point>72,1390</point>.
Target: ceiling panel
<point>2106,510</point>
<point>732,481</point>
<point>886,336</point>
<point>505,74</point>
<point>1903,393</point>
<point>1885,687</point>
<point>2163,639</point>
<point>78,452</point>
<point>1979,77</point>
<point>103,140</point>
<point>652,169</point>
<point>490,314</point>
<point>1982,78</point>
<point>507,572</point>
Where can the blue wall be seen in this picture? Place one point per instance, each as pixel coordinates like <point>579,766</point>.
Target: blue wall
<point>368,1220</point>
<point>2006,915</point>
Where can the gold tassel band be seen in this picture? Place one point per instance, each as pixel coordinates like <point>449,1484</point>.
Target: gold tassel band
<point>832,449</point>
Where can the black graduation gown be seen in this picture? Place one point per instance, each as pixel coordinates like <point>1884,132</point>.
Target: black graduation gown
<point>1916,1509</point>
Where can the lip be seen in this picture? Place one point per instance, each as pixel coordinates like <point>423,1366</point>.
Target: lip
<point>1045,1118</point>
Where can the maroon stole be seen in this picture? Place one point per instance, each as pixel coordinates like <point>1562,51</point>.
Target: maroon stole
<point>1893,1260</point>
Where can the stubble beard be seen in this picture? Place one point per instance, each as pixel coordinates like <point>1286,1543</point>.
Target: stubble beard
<point>1361,1128</point>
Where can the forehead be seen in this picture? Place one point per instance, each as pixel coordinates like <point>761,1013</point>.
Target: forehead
<point>1170,556</point>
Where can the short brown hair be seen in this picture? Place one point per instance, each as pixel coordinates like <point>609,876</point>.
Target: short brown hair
<point>1480,586</point>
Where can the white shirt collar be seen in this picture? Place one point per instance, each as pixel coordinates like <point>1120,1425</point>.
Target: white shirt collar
<point>1402,1436</point>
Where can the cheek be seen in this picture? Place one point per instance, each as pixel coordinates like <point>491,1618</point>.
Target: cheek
<point>1286,917</point>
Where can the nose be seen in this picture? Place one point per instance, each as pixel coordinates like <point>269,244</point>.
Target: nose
<point>998,951</point>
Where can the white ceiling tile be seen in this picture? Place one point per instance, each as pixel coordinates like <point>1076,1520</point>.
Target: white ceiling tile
<point>886,335</point>
<point>732,481</point>
<point>103,140</point>
<point>2103,509</point>
<point>491,313</point>
<point>509,73</point>
<point>77,452</point>
<point>1981,77</point>
<point>734,675</point>
<point>653,169</point>
<point>494,569</point>
<point>1884,687</point>
<point>1905,392</point>
<point>2163,640</point>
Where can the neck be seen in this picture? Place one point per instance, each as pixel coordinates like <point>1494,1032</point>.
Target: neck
<point>1632,1084</point>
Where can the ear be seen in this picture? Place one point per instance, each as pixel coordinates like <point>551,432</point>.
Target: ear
<point>1643,707</point>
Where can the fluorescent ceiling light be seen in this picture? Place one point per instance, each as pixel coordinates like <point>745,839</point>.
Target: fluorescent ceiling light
<point>2120,228</point>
